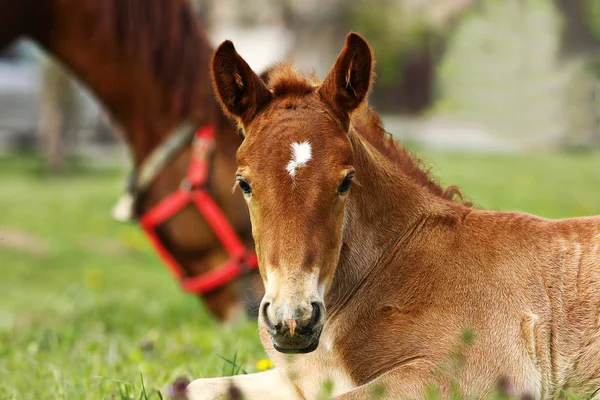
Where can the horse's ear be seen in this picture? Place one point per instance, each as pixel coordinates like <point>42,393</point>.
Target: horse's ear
<point>347,83</point>
<point>239,90</point>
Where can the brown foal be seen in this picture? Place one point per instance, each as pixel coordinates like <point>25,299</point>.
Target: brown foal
<point>373,273</point>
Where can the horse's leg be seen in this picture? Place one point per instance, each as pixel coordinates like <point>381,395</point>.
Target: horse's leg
<point>405,382</point>
<point>263,385</point>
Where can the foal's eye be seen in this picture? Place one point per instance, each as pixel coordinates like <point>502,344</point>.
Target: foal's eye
<point>244,185</point>
<point>345,185</point>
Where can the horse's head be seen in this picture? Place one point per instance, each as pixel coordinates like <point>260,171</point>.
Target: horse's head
<point>295,172</point>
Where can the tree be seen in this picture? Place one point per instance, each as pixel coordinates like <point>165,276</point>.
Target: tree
<point>58,111</point>
<point>581,30</point>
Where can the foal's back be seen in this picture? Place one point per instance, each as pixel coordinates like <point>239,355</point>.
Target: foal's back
<point>562,261</point>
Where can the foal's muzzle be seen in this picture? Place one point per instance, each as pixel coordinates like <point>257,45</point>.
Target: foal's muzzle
<point>293,332</point>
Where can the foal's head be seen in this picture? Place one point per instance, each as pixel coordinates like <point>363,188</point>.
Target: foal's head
<point>295,171</point>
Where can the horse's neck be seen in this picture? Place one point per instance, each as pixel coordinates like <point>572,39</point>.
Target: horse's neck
<point>384,207</point>
<point>113,84</point>
<point>145,109</point>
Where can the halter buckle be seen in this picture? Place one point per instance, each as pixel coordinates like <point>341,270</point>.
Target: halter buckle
<point>185,185</point>
<point>203,146</point>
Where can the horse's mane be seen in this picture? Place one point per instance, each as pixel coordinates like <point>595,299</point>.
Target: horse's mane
<point>283,80</point>
<point>161,36</point>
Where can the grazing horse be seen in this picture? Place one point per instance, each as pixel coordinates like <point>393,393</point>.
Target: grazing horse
<point>148,63</point>
<point>376,279</point>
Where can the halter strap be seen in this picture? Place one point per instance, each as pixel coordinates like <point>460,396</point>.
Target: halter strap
<point>192,190</point>
<point>139,180</point>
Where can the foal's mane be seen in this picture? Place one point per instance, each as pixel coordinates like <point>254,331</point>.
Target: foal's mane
<point>283,80</point>
<point>371,128</point>
<point>162,37</point>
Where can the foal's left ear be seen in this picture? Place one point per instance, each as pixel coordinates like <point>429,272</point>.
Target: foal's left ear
<point>347,83</point>
<point>240,91</point>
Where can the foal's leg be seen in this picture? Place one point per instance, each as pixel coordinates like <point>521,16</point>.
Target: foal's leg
<point>263,385</point>
<point>405,382</point>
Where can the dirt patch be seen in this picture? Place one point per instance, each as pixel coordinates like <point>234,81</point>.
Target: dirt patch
<point>104,246</point>
<point>23,241</point>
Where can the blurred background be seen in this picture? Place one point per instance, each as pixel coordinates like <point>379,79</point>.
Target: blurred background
<point>487,75</point>
<point>500,97</point>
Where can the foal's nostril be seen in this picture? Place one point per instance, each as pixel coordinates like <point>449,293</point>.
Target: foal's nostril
<point>265,316</point>
<point>316,315</point>
<point>265,305</point>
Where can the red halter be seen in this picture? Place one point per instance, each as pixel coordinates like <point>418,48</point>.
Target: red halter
<point>193,190</point>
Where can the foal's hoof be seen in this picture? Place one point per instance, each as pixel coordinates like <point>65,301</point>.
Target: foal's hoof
<point>178,389</point>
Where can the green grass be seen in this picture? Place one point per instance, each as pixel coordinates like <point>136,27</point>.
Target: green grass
<point>550,185</point>
<point>87,310</point>
<point>85,306</point>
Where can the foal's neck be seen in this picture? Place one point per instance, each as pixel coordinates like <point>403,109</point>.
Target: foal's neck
<point>385,208</point>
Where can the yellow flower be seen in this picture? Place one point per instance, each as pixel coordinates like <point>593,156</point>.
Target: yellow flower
<point>264,364</point>
<point>136,356</point>
<point>93,278</point>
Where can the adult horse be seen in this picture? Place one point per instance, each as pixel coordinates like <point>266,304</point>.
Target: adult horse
<point>147,62</point>
<point>373,272</point>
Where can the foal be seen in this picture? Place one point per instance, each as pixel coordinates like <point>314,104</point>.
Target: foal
<point>372,273</point>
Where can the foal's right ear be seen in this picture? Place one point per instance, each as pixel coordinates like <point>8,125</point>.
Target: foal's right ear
<point>239,90</point>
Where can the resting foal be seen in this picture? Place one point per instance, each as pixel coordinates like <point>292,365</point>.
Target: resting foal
<point>372,272</point>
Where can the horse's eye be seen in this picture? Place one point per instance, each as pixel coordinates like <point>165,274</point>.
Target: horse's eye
<point>244,185</point>
<point>345,185</point>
